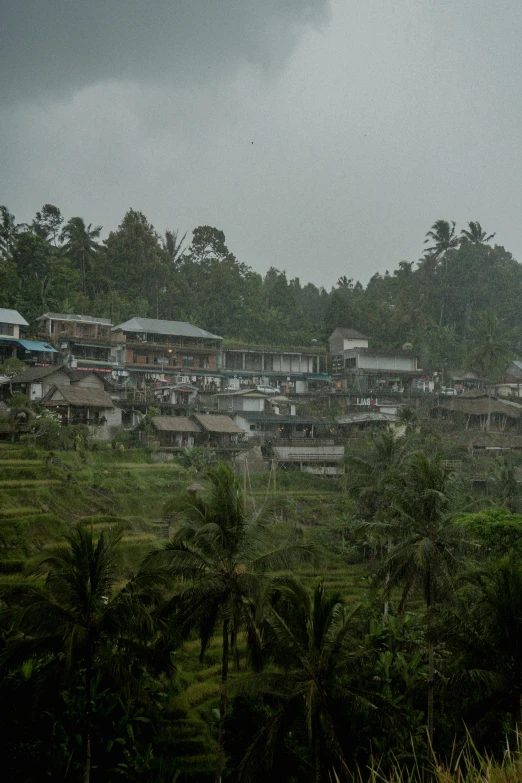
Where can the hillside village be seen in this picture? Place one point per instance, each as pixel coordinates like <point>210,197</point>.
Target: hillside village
<point>194,388</point>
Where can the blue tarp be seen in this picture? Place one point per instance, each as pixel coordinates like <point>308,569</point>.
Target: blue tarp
<point>34,345</point>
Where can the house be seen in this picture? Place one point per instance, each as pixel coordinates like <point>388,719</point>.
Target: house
<point>217,431</point>
<point>510,382</point>
<point>155,351</point>
<point>321,459</point>
<point>35,382</point>
<point>233,400</point>
<point>342,340</point>
<point>179,394</point>
<point>357,366</point>
<point>175,430</point>
<point>14,346</point>
<point>271,426</point>
<point>84,340</point>
<point>296,370</point>
<point>85,405</point>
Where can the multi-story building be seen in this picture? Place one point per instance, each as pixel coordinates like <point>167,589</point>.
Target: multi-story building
<point>293,370</point>
<point>364,369</point>
<point>85,341</point>
<point>13,345</point>
<point>153,350</point>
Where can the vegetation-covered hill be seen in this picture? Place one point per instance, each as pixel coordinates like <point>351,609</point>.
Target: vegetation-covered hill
<point>436,303</point>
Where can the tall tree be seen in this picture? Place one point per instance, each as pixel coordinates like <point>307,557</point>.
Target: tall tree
<point>8,230</point>
<point>475,234</point>
<point>82,623</point>
<point>47,223</point>
<point>442,235</point>
<point>222,554</point>
<point>310,637</point>
<point>81,247</point>
<point>429,545</point>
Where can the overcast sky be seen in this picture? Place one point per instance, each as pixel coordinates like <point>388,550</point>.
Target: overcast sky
<point>324,137</point>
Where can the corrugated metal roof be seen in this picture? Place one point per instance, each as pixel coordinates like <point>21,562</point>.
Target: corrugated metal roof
<point>91,319</point>
<point>276,418</point>
<point>353,418</point>
<point>173,328</point>
<point>12,317</point>
<point>34,345</point>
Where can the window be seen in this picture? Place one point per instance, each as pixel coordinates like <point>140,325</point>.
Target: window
<point>7,329</point>
<point>351,362</point>
<point>188,361</point>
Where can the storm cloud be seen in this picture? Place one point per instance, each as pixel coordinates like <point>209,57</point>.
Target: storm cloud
<point>57,47</point>
<point>323,138</point>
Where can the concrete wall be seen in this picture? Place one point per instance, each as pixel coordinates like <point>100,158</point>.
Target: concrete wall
<point>349,343</point>
<point>110,429</point>
<point>365,362</point>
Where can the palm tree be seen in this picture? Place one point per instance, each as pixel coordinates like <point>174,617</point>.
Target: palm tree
<point>80,245</point>
<point>442,234</point>
<point>475,234</point>
<point>489,350</point>
<point>80,622</point>
<point>426,556</point>
<point>486,629</point>
<point>310,639</point>
<point>370,473</point>
<point>174,246</point>
<point>8,230</point>
<point>222,553</point>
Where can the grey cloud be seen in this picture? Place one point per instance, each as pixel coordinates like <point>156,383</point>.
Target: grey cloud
<point>58,47</point>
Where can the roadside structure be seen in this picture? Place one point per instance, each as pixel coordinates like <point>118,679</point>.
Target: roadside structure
<point>154,351</point>
<point>13,344</point>
<point>367,370</point>
<point>290,370</point>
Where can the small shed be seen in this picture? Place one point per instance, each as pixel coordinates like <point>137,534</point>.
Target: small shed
<point>175,430</point>
<point>217,430</point>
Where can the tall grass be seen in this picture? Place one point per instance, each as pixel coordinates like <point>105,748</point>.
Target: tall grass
<point>467,766</point>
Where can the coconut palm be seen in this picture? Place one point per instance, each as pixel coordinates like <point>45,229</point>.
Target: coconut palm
<point>371,472</point>
<point>310,639</point>
<point>486,631</point>
<point>222,554</point>
<point>475,234</point>
<point>429,547</point>
<point>173,244</point>
<point>8,230</point>
<point>442,235</point>
<point>81,623</point>
<point>80,245</point>
<point>489,350</point>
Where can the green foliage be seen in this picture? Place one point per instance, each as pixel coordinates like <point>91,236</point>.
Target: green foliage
<point>496,529</point>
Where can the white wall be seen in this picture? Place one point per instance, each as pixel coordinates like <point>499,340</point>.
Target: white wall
<point>349,343</point>
<point>366,362</point>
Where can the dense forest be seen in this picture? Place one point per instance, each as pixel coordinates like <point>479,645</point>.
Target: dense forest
<point>461,285</point>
